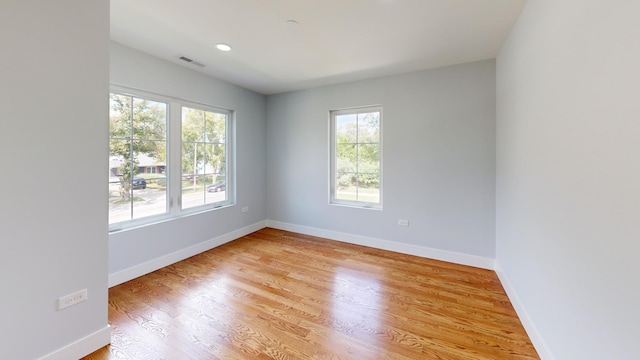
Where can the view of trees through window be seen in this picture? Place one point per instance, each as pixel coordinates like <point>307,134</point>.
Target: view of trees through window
<point>204,157</point>
<point>144,184</point>
<point>137,158</point>
<point>357,153</point>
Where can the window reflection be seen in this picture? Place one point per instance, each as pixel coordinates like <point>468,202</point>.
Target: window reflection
<point>356,305</point>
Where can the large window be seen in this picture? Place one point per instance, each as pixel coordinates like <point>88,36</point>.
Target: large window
<point>204,157</point>
<point>137,158</point>
<point>167,157</point>
<point>356,157</point>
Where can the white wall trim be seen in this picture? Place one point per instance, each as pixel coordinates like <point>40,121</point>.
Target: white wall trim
<point>102,337</point>
<point>152,265</point>
<point>536,339</point>
<point>422,251</point>
<point>82,347</point>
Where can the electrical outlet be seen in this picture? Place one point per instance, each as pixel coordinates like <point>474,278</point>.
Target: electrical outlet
<point>245,209</point>
<point>72,299</point>
<point>403,222</point>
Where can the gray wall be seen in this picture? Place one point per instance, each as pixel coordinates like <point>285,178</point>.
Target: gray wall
<point>568,195</point>
<point>131,68</point>
<point>438,158</point>
<point>54,79</point>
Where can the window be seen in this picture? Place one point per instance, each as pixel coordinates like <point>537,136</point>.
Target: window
<point>204,157</point>
<point>147,132</point>
<point>137,142</point>
<point>356,157</point>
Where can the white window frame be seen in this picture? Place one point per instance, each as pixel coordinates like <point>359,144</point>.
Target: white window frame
<point>174,159</point>
<point>229,161</point>
<point>333,160</point>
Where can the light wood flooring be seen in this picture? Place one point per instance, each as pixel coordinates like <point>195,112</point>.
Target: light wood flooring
<point>280,295</point>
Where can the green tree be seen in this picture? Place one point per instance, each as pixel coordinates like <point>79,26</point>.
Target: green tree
<point>136,126</point>
<point>203,143</point>
<point>358,150</point>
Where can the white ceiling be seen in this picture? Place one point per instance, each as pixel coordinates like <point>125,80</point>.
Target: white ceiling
<point>336,41</point>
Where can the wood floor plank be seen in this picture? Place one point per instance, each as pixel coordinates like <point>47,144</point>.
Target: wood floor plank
<point>280,295</point>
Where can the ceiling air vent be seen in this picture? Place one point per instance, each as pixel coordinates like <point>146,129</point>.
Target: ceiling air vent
<point>184,58</point>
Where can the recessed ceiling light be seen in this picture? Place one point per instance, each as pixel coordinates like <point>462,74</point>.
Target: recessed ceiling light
<point>223,47</point>
<point>291,24</point>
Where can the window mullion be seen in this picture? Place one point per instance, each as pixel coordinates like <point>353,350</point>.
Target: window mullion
<point>174,151</point>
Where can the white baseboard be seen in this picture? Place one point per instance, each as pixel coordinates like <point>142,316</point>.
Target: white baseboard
<point>82,347</point>
<point>422,251</point>
<point>102,338</point>
<point>158,263</point>
<point>527,322</point>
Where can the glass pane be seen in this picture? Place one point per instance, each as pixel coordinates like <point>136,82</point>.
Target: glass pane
<point>119,207</point>
<point>138,195</point>
<point>217,191</point>
<point>215,158</point>
<point>346,128</point>
<point>191,156</point>
<point>193,180</point>
<point>346,186</point>
<point>119,116</point>
<point>368,127</point>
<point>192,124</point>
<point>203,157</point>
<point>149,196</point>
<point>137,158</point>
<point>346,157</point>
<point>369,188</point>
<point>215,127</point>
<point>149,155</point>
<point>149,120</point>
<point>369,158</point>
<point>192,183</point>
<point>192,198</point>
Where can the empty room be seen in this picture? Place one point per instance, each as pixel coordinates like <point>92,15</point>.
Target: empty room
<point>297,179</point>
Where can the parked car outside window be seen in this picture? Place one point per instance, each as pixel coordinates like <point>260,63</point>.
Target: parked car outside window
<point>219,186</point>
<point>139,183</point>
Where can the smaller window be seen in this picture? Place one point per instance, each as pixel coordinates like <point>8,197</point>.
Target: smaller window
<point>356,157</point>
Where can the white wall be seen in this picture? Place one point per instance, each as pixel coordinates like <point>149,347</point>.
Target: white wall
<point>438,155</point>
<point>167,242</point>
<point>54,77</point>
<point>568,174</point>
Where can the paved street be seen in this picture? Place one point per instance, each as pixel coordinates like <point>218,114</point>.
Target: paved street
<point>154,202</point>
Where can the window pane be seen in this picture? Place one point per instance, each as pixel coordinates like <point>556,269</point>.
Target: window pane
<point>346,186</point>
<point>346,128</point>
<point>216,189</point>
<point>192,124</point>
<point>189,158</point>
<point>204,157</point>
<point>149,120</point>
<point>369,188</point>
<point>193,193</point>
<point>119,116</point>
<point>369,158</point>
<point>346,157</point>
<point>192,184</point>
<point>368,127</point>
<point>214,158</point>
<point>137,147</point>
<point>215,127</point>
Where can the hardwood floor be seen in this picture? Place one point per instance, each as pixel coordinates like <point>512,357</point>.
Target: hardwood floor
<point>280,295</point>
